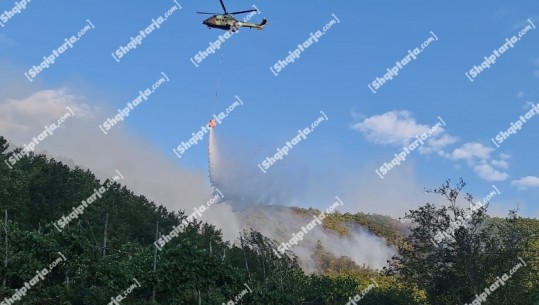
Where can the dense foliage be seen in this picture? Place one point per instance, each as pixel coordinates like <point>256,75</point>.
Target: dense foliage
<point>111,246</point>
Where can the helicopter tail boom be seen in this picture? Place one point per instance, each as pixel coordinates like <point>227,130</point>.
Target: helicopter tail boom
<point>253,25</point>
<point>263,23</point>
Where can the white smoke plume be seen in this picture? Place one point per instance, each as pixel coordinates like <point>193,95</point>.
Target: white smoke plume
<point>148,172</point>
<point>79,141</point>
<point>213,159</point>
<point>280,222</point>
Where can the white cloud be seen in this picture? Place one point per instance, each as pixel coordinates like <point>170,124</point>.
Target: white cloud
<point>5,41</point>
<point>437,144</point>
<point>471,151</point>
<point>500,164</point>
<point>393,127</point>
<point>487,172</point>
<point>520,25</point>
<point>38,109</point>
<point>478,157</point>
<point>529,104</point>
<point>526,182</point>
<point>505,156</point>
<point>147,170</point>
<point>399,128</point>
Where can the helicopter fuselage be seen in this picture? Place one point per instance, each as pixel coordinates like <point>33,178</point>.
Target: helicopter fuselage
<point>223,22</point>
<point>227,22</point>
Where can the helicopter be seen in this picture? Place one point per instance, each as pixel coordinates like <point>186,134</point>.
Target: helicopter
<point>226,21</point>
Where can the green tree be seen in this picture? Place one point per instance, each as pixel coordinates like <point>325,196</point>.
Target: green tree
<point>469,259</point>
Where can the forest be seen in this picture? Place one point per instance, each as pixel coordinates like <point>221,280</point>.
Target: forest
<point>107,254</point>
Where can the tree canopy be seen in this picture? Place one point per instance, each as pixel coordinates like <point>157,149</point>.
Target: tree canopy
<point>110,247</point>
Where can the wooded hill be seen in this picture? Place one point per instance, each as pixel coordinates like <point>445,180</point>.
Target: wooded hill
<point>111,245</point>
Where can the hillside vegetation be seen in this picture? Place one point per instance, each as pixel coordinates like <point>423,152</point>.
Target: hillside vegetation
<point>110,248</point>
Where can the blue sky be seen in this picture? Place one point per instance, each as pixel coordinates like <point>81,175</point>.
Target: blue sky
<point>364,129</point>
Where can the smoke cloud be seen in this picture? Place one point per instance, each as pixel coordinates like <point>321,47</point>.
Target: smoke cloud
<point>148,172</point>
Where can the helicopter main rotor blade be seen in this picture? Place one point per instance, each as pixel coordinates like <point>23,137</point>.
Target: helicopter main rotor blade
<point>242,12</point>
<point>207,13</point>
<point>223,5</point>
